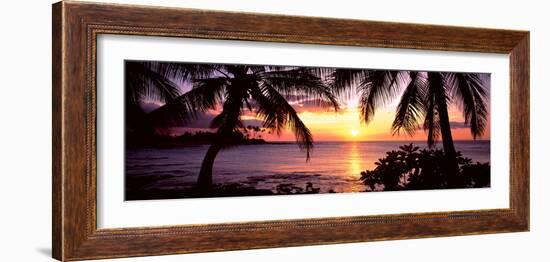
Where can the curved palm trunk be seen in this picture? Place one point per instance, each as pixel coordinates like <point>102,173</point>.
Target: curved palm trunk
<point>445,126</point>
<point>205,174</point>
<point>230,119</point>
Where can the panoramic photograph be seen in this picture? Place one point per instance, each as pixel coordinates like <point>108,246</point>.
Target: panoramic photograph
<point>197,130</point>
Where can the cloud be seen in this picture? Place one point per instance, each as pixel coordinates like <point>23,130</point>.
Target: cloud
<point>311,105</point>
<point>457,125</point>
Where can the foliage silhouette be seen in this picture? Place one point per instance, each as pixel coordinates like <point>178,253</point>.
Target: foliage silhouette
<point>411,168</point>
<point>142,83</point>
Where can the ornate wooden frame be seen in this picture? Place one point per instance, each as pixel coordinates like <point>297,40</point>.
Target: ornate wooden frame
<point>76,26</point>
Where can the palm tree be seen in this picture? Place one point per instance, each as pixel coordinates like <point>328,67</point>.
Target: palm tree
<point>236,88</point>
<point>425,98</point>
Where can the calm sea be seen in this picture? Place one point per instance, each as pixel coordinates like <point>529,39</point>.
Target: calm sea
<point>333,165</point>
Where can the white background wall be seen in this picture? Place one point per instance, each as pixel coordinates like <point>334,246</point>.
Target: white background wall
<point>25,115</point>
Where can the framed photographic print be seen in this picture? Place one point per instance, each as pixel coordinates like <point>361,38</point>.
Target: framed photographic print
<point>181,130</point>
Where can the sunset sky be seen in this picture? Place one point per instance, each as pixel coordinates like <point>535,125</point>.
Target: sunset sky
<point>344,125</point>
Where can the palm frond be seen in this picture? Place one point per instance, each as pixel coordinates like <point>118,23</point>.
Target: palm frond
<point>268,111</point>
<point>184,71</point>
<point>278,114</point>
<point>378,88</point>
<point>344,81</point>
<point>258,69</point>
<point>470,95</point>
<point>144,83</point>
<point>302,84</point>
<point>411,106</point>
<point>321,72</point>
<point>204,96</point>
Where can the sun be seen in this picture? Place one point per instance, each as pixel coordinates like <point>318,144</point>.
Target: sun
<point>354,132</point>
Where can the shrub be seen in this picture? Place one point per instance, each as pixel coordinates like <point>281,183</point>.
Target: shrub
<point>409,167</point>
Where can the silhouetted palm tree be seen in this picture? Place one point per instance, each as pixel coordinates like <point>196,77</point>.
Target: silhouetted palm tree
<point>236,88</point>
<point>425,99</point>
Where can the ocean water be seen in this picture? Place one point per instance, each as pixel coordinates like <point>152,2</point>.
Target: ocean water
<point>334,166</point>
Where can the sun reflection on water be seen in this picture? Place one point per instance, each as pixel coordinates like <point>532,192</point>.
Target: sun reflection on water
<point>354,159</point>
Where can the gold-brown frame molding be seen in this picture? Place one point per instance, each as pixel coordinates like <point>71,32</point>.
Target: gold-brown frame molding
<point>76,26</point>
